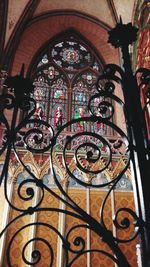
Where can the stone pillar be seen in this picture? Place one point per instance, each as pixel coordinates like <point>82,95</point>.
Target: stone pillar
<point>61,226</point>
<point>5,219</point>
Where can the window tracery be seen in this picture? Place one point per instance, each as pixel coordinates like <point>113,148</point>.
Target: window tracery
<point>64,79</point>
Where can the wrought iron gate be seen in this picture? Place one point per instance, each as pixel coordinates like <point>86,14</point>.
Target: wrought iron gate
<point>135,152</point>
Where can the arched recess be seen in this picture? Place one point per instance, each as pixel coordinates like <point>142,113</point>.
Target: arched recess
<point>65,71</point>
<point>41,29</point>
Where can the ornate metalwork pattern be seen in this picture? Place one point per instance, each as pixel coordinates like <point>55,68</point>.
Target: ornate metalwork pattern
<point>90,148</point>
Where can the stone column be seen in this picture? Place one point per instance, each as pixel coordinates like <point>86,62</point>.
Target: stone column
<point>5,219</point>
<point>61,226</point>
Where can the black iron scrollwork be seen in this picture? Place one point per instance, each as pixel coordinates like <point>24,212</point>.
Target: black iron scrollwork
<point>41,137</point>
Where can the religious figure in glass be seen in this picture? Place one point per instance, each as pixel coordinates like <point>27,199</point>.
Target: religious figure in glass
<point>79,113</point>
<point>59,94</point>
<point>38,112</point>
<point>58,116</point>
<point>100,127</point>
<point>80,97</point>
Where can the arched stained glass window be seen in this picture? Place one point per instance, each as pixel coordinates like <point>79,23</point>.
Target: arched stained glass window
<point>50,94</point>
<point>64,78</point>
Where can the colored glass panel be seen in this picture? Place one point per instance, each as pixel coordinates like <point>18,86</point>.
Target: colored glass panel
<point>68,71</point>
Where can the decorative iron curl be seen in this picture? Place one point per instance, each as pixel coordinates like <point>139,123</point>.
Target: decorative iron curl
<point>105,109</point>
<point>111,72</point>
<point>39,136</point>
<point>112,186</point>
<point>7,101</point>
<point>78,241</point>
<point>30,191</point>
<point>11,131</point>
<point>36,254</point>
<point>125,224</point>
<point>92,153</point>
<point>28,106</point>
<point>144,76</point>
<point>144,81</point>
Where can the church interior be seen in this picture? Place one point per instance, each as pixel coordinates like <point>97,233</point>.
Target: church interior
<point>62,47</point>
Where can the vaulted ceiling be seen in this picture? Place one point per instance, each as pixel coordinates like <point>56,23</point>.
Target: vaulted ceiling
<point>29,24</point>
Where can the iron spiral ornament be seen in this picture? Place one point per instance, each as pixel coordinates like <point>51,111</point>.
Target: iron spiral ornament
<point>40,138</point>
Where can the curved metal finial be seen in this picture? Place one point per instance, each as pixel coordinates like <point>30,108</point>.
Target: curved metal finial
<point>22,86</point>
<point>122,34</point>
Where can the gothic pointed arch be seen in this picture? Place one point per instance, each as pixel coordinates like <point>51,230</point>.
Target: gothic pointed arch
<point>65,72</point>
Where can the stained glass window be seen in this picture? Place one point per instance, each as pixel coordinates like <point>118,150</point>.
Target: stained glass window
<point>64,77</point>
<point>70,54</point>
